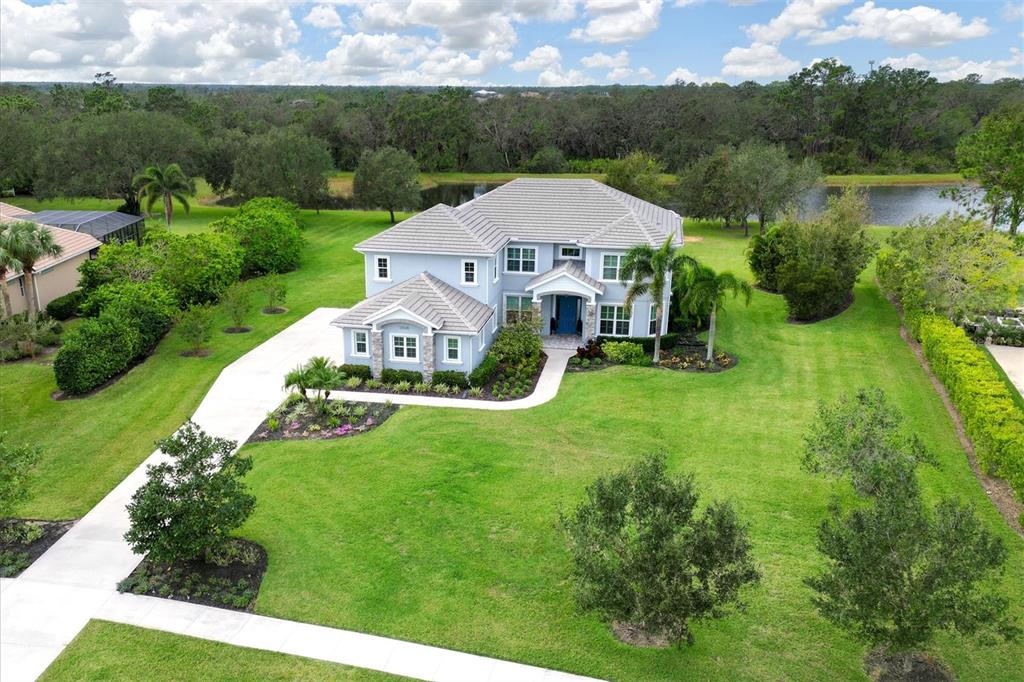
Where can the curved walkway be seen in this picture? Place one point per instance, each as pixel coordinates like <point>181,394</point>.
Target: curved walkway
<point>74,581</point>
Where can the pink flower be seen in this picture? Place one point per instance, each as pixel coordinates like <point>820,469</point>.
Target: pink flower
<point>369,421</point>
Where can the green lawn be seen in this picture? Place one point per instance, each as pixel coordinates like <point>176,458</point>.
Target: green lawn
<point>110,651</point>
<point>90,444</point>
<point>439,526</point>
<point>897,179</point>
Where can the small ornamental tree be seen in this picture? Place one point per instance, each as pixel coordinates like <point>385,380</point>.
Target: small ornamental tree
<point>189,505</point>
<point>237,303</point>
<point>860,436</point>
<point>646,559</point>
<point>16,464</point>
<point>195,325</point>
<point>387,178</point>
<point>276,290</point>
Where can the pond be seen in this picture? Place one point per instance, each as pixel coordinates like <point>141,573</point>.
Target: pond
<point>889,204</point>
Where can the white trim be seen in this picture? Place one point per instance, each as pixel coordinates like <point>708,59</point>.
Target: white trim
<point>552,277</point>
<point>497,270</point>
<point>600,266</point>
<point>391,347</point>
<point>458,359</point>
<point>629,319</point>
<point>376,268</point>
<point>494,320</point>
<point>476,273</point>
<point>355,344</point>
<point>653,315</point>
<point>384,312</point>
<point>505,269</point>
<point>561,253</point>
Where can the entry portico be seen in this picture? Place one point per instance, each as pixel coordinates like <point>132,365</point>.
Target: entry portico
<point>573,298</point>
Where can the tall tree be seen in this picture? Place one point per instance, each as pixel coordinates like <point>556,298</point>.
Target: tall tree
<point>994,157</point>
<point>703,289</point>
<point>284,162</point>
<point>638,174</point>
<point>165,184</point>
<point>649,271</point>
<point>387,178</point>
<point>34,243</point>
<point>768,181</point>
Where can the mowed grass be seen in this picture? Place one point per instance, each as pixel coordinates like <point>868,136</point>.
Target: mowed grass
<point>89,444</point>
<point>111,651</point>
<point>440,526</point>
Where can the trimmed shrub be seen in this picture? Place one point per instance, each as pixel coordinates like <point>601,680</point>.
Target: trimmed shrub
<point>765,255</point>
<point>625,352</point>
<point>268,232</point>
<point>452,378</point>
<point>64,307</point>
<point>484,372</point>
<point>198,267</point>
<point>517,343</point>
<point>991,418</point>
<point>361,371</point>
<point>646,342</point>
<point>393,376</point>
<point>94,352</point>
<point>150,306</point>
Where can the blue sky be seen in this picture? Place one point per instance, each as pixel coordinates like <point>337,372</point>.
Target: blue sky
<point>500,42</point>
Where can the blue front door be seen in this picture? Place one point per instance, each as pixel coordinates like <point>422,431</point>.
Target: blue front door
<point>566,314</point>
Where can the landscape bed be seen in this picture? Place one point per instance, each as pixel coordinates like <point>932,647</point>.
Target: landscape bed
<point>299,418</point>
<point>22,541</point>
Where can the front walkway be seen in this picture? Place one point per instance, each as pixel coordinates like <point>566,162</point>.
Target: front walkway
<point>43,609</point>
<point>1011,359</point>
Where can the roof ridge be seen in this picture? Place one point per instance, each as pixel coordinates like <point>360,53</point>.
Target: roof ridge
<point>430,280</point>
<point>454,214</point>
<point>597,233</point>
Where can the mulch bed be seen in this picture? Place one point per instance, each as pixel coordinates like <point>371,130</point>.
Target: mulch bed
<point>297,419</point>
<point>273,310</point>
<point>682,358</point>
<point>908,667</point>
<point>237,330</point>
<point>230,579</point>
<point>22,541</point>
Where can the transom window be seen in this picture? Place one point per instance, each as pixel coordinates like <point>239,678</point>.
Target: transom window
<point>360,343</point>
<point>571,252</point>
<point>452,349</point>
<point>520,259</point>
<point>653,328</point>
<point>518,308</point>
<point>404,348</point>
<point>469,272</point>
<point>383,268</point>
<point>611,264</point>
<point>614,321</point>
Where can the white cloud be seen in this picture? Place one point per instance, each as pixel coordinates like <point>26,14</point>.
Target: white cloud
<point>323,16</point>
<point>539,58</point>
<point>954,68</point>
<point>918,26</point>
<point>760,60</point>
<point>600,60</point>
<point>616,21</point>
<point>684,75</point>
<point>557,77</point>
<point>1013,11</point>
<point>798,17</point>
<point>44,56</point>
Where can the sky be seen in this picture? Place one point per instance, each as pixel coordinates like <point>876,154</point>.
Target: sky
<point>500,42</point>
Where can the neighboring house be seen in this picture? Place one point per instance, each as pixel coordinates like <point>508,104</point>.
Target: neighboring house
<point>54,276</point>
<point>440,284</point>
<point>106,226</point>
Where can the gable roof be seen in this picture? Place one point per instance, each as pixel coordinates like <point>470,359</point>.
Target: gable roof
<point>97,223</point>
<point>425,297</point>
<point>567,268</point>
<point>571,211</point>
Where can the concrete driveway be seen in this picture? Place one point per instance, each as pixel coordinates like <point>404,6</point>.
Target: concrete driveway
<point>1011,359</point>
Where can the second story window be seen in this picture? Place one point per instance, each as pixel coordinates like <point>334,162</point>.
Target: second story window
<point>610,265</point>
<point>382,269</point>
<point>469,272</point>
<point>520,259</point>
<point>571,252</point>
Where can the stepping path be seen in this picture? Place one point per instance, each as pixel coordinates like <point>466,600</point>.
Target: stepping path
<point>74,581</point>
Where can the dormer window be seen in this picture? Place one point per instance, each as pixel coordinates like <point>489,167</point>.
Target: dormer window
<point>469,273</point>
<point>382,268</point>
<point>570,252</point>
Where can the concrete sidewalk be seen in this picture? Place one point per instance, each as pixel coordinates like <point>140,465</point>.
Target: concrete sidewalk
<point>1011,359</point>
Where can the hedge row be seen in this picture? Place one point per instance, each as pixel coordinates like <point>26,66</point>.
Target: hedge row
<point>992,419</point>
<point>668,341</point>
<point>64,307</point>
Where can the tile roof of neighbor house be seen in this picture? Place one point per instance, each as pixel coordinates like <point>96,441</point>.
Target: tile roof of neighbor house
<point>443,306</point>
<point>10,214</point>
<point>97,223</point>
<point>573,268</point>
<point>584,212</point>
<point>72,244</point>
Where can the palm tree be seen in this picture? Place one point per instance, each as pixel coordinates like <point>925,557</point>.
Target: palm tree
<point>645,270</point>
<point>167,184</point>
<point>298,379</point>
<point>33,243</point>
<point>703,288</point>
<point>10,235</point>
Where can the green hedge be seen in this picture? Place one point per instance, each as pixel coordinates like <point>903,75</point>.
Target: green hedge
<point>94,352</point>
<point>626,352</point>
<point>64,307</point>
<point>452,378</point>
<point>992,420</point>
<point>361,371</point>
<point>393,376</point>
<point>668,340</point>
<point>484,371</point>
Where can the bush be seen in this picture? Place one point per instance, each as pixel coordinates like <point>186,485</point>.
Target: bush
<point>195,325</point>
<point>150,306</point>
<point>393,376</point>
<point>517,343</point>
<point>765,255</point>
<point>197,267</point>
<point>452,378</point>
<point>484,372</point>
<point>547,160</point>
<point>237,303</point>
<point>64,307</point>
<point>268,233</point>
<point>646,342</point>
<point>625,352</point>
<point>591,350</point>
<point>276,290</point>
<point>16,465</point>
<point>992,420</point>
<point>95,352</point>
<point>21,337</point>
<point>361,371</point>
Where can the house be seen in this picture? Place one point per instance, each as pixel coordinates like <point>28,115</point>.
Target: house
<point>106,226</point>
<point>54,276</point>
<point>440,284</point>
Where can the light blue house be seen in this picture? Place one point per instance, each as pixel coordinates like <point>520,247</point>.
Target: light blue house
<point>440,284</point>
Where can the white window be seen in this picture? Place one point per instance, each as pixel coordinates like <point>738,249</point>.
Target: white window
<point>520,259</point>
<point>518,308</point>
<point>653,327</point>
<point>610,265</point>
<point>452,349</point>
<point>614,321</point>
<point>405,348</point>
<point>360,342</point>
<point>469,272</point>
<point>494,324</point>
<point>571,252</point>
<point>382,268</point>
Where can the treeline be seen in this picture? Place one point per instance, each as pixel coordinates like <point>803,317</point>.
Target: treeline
<point>886,121</point>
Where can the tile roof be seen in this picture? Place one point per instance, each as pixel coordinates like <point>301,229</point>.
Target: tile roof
<point>446,308</point>
<point>586,212</point>
<point>10,214</point>
<point>73,244</point>
<point>573,268</point>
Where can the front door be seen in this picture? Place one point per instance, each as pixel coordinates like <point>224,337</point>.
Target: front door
<point>566,314</point>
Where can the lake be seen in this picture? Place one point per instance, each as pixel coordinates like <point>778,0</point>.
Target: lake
<point>889,204</point>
